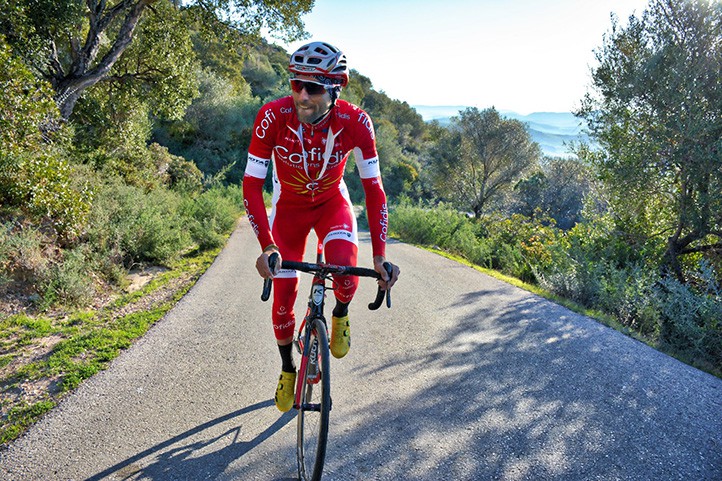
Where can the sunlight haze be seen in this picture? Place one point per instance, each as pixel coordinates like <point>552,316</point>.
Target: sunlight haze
<point>521,55</point>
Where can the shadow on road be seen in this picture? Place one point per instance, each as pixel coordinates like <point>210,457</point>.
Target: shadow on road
<point>178,459</point>
<point>526,390</point>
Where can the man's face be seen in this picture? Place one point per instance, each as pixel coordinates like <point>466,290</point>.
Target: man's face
<point>309,106</point>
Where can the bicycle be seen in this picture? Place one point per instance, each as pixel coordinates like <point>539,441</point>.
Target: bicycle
<point>313,384</point>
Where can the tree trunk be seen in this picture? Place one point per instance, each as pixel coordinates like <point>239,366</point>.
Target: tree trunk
<point>65,98</point>
<point>670,260</point>
<point>70,87</point>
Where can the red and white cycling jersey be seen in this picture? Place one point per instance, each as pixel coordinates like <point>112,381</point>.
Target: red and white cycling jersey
<point>309,162</point>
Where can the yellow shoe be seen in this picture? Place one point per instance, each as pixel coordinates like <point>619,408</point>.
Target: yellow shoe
<point>284,391</point>
<point>340,336</point>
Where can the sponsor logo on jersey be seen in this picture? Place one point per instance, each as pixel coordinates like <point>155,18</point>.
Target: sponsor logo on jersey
<point>314,156</point>
<point>265,123</point>
<point>251,219</point>
<point>257,160</point>
<point>366,122</point>
<point>384,221</point>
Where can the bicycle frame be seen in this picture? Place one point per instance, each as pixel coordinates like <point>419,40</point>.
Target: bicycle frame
<point>316,303</point>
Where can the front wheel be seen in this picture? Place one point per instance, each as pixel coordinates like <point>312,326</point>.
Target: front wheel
<point>312,430</point>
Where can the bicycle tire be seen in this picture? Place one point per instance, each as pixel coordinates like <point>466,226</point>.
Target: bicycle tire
<point>313,412</point>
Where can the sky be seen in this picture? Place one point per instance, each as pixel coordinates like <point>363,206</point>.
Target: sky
<point>520,55</point>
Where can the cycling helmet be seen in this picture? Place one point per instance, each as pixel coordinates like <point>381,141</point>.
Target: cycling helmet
<point>321,60</point>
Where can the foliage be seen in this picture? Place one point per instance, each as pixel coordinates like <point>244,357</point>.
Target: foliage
<point>34,174</point>
<point>158,68</point>
<point>25,104</point>
<point>557,190</point>
<point>213,215</point>
<point>692,314</point>
<point>137,225</point>
<point>266,71</point>
<point>22,253</point>
<point>216,130</point>
<point>483,155</point>
<point>656,111</point>
<point>75,45</point>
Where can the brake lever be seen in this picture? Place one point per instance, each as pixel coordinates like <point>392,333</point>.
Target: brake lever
<point>381,293</point>
<point>389,270</point>
<point>268,283</point>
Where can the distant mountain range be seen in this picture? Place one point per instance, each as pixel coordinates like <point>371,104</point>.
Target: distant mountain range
<point>553,131</point>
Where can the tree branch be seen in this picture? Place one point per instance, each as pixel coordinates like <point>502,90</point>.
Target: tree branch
<point>82,76</point>
<point>56,68</point>
<point>706,248</point>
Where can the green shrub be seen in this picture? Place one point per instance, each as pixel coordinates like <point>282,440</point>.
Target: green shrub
<point>52,276</point>
<point>69,280</point>
<point>213,215</point>
<point>628,294</point>
<point>23,254</point>
<point>35,174</point>
<point>135,225</point>
<point>520,246</point>
<point>426,226</point>
<point>692,316</point>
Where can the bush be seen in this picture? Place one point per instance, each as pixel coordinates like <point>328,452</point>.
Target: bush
<point>69,280</point>
<point>423,225</point>
<point>520,245</point>
<point>213,215</point>
<point>31,264</point>
<point>134,226</point>
<point>23,254</point>
<point>628,294</point>
<point>35,174</point>
<point>692,316</point>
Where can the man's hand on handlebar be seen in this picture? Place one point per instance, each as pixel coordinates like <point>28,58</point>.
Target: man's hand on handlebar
<point>386,281</point>
<point>262,263</point>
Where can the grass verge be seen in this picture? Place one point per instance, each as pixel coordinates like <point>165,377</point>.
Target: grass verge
<point>44,358</point>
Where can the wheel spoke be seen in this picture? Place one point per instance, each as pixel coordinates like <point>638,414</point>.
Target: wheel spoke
<point>314,410</point>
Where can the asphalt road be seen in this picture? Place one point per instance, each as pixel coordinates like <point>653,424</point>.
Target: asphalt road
<point>465,378</point>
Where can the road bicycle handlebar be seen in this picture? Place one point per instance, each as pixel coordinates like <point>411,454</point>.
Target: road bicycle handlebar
<point>314,268</point>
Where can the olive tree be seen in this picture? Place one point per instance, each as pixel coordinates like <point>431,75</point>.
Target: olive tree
<point>75,44</point>
<point>480,157</point>
<point>655,108</point>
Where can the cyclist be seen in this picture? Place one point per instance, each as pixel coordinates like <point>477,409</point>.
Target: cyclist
<point>308,137</point>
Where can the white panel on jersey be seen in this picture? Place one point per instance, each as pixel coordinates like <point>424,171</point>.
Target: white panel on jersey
<point>256,166</point>
<point>367,168</point>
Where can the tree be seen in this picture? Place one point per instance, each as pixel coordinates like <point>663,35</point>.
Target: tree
<point>655,107</point>
<point>35,176</point>
<point>74,44</point>
<point>558,190</point>
<point>480,157</point>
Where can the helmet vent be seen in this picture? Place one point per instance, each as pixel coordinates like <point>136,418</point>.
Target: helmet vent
<point>322,59</point>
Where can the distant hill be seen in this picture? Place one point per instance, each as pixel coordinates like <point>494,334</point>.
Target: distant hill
<point>553,131</point>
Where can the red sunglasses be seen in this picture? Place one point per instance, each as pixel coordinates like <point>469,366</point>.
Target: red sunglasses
<point>312,88</point>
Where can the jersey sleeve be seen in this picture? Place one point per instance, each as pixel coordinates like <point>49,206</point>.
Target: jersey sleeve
<point>367,162</point>
<point>367,158</point>
<point>377,213</point>
<point>259,158</point>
